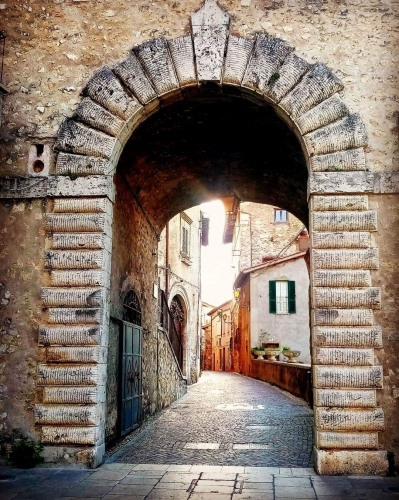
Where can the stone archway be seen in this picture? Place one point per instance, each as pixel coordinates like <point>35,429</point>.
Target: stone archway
<point>344,334</point>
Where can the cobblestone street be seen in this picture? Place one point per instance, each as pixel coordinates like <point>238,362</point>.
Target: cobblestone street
<point>227,419</point>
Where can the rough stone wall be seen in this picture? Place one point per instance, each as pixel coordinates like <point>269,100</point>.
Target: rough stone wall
<point>54,48</point>
<point>21,263</point>
<point>260,236</point>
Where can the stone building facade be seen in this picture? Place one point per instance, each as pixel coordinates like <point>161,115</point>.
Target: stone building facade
<point>179,263</point>
<point>102,145</point>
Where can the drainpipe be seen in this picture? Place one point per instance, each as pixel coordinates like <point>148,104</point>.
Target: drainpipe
<point>167,263</point>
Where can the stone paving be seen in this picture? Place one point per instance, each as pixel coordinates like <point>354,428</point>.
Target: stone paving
<point>227,419</point>
<point>119,481</point>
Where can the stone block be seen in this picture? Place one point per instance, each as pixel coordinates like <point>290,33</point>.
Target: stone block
<point>347,356</point>
<point>339,462</point>
<point>341,182</point>
<point>341,161</point>
<point>74,316</point>
<point>267,57</point>
<point>72,223</point>
<point>210,26</point>
<point>75,259</point>
<point>83,205</point>
<point>74,137</point>
<point>106,89</point>
<point>317,85</point>
<point>342,398</point>
<point>74,395</point>
<point>336,278</point>
<point>94,185</point>
<point>155,58</point>
<point>355,419</point>
<point>76,354</point>
<point>345,221</point>
<point>347,336</point>
<point>343,440</point>
<point>79,375</point>
<point>289,74</point>
<point>348,133</point>
<point>342,239</point>
<point>71,435</point>
<point>23,187</point>
<point>343,317</point>
<point>134,78</point>
<point>69,335</point>
<point>347,297</point>
<point>67,415</point>
<point>238,53</point>
<point>70,164</point>
<point>69,297</point>
<point>345,259</point>
<point>340,377</point>
<point>339,203</point>
<point>95,116</point>
<point>328,111</point>
<point>71,241</point>
<point>182,52</point>
<point>78,278</point>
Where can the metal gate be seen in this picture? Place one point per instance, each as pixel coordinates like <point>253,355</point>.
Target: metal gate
<point>131,364</point>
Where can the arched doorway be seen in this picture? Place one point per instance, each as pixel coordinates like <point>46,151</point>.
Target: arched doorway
<point>179,316</point>
<point>305,97</point>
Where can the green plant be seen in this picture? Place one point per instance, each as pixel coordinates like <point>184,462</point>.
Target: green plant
<point>286,348</point>
<point>25,451</point>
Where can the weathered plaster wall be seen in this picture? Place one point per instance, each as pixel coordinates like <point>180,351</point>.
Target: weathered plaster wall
<point>21,264</point>
<point>287,329</point>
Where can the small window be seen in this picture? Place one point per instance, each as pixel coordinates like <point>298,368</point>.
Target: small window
<point>185,237</point>
<point>282,297</point>
<point>280,216</point>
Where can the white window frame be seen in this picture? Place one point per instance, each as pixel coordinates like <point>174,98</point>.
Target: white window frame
<point>280,215</point>
<point>282,297</point>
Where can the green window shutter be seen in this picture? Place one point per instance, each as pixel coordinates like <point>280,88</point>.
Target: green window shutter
<point>291,297</point>
<point>272,297</point>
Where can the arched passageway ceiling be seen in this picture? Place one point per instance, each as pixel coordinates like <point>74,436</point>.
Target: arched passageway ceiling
<point>200,149</point>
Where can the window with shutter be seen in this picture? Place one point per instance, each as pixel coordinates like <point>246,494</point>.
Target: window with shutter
<point>282,297</point>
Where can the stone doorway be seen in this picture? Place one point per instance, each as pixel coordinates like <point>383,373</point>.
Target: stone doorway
<point>213,64</point>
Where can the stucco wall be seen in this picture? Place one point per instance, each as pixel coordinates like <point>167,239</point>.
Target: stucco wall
<point>287,329</point>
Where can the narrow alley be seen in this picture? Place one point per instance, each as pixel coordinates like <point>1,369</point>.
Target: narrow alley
<point>227,419</point>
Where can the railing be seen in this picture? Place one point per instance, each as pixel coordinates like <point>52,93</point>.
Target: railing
<point>167,322</point>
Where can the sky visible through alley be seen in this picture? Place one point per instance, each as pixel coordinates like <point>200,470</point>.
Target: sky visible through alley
<point>217,274</point>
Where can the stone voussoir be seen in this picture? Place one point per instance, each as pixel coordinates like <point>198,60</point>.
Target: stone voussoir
<point>289,74</point>
<point>347,133</point>
<point>92,114</point>
<point>71,164</point>
<point>182,52</point>
<point>267,57</point>
<point>238,53</point>
<point>317,85</point>
<point>328,111</point>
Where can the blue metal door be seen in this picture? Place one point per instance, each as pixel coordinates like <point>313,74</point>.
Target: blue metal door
<point>131,377</point>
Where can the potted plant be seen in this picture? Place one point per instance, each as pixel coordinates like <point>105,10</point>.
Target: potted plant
<point>271,353</point>
<point>291,355</point>
<point>258,352</point>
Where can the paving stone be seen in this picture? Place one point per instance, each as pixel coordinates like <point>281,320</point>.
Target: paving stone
<point>179,468</point>
<point>123,497</point>
<point>201,417</point>
<point>168,495</point>
<point>293,481</point>
<point>131,489</point>
<point>181,477</point>
<point>298,493</point>
<point>173,486</point>
<point>335,490</point>
<point>254,495</point>
<point>108,475</point>
<point>151,467</point>
<point>40,492</point>
<point>219,476</point>
<point>210,496</point>
<point>257,486</point>
<point>215,488</point>
<point>209,482</point>
<point>232,468</point>
<point>87,490</point>
<point>139,480</point>
<point>256,478</point>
